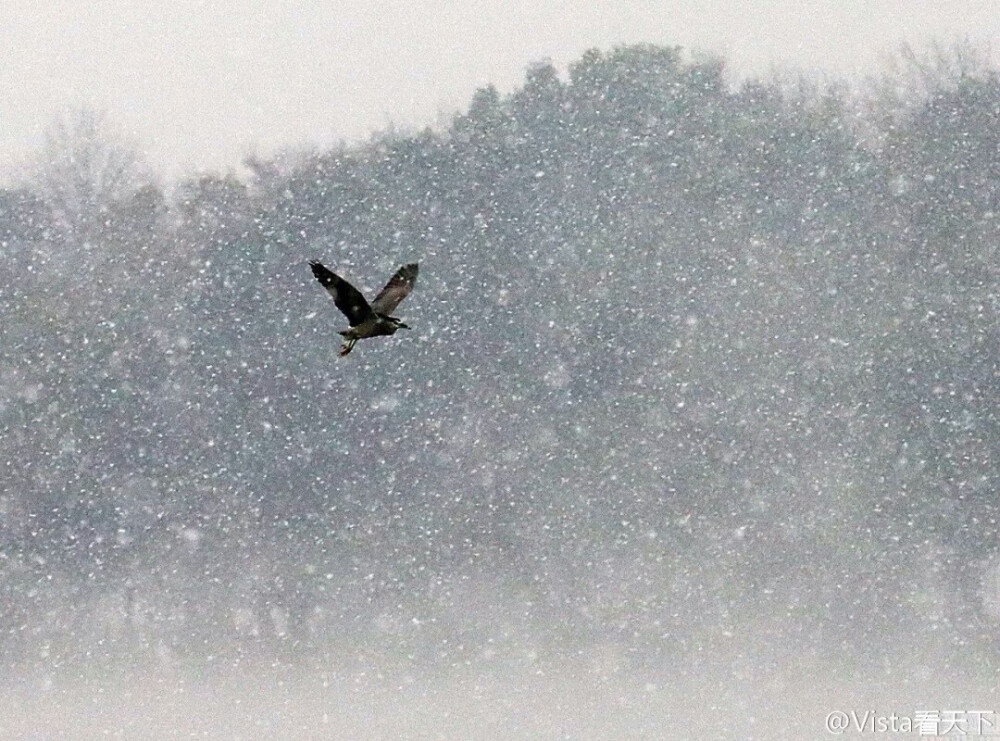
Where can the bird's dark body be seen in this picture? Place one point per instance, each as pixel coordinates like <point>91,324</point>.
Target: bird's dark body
<point>382,327</point>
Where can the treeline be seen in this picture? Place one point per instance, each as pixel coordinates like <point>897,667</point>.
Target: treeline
<point>691,362</point>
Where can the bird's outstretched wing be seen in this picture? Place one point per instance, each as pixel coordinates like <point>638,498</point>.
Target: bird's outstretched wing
<point>398,288</point>
<point>347,298</point>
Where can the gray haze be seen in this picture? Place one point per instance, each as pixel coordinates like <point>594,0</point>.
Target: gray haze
<point>695,433</point>
<point>200,84</point>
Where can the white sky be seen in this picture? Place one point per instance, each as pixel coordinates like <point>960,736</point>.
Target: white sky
<point>200,83</point>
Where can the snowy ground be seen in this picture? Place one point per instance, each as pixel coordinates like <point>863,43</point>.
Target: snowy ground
<point>589,697</point>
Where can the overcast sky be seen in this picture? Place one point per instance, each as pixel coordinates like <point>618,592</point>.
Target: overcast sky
<point>199,83</point>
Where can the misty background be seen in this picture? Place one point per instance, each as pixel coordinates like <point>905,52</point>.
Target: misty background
<point>698,416</point>
<point>199,84</point>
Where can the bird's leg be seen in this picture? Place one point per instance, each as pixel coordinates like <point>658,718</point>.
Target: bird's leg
<point>346,347</point>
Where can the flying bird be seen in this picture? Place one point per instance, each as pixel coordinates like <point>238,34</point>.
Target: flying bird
<point>367,320</point>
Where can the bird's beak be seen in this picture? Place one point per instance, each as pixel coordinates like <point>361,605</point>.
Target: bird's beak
<point>404,326</point>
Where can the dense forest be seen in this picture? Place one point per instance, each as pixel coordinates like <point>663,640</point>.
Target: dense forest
<point>696,364</point>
